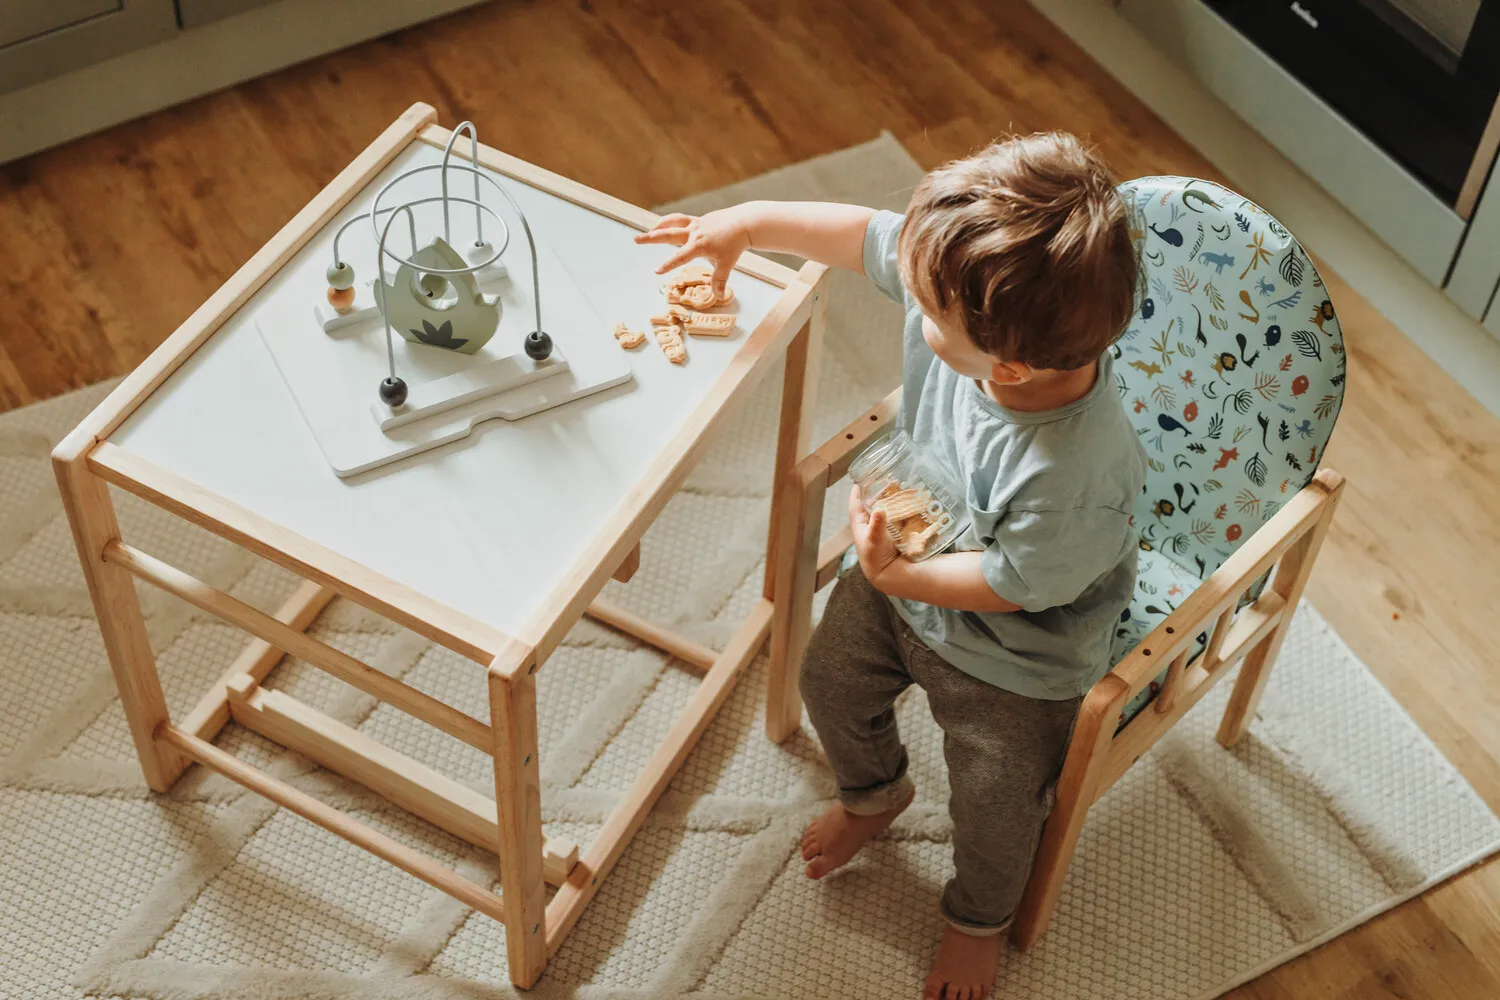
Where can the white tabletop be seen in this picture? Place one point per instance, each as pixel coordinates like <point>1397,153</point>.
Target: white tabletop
<point>488,525</point>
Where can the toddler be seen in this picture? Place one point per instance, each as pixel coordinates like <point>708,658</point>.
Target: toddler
<point>1017,272</point>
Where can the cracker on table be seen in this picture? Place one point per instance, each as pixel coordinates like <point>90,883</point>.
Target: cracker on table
<point>709,325</point>
<point>627,338</point>
<point>699,297</point>
<point>670,339</point>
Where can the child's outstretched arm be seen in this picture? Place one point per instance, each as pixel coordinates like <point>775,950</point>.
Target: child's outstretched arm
<point>954,580</point>
<point>827,232</point>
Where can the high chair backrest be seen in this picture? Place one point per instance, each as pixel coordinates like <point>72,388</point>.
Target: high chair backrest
<point>1232,369</point>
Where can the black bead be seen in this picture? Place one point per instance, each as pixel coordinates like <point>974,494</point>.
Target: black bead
<point>538,346</point>
<point>393,391</point>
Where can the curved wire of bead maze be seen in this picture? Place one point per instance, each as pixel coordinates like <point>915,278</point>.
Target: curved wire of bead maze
<point>537,345</point>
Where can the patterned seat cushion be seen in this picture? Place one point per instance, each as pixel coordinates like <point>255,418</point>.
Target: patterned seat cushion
<point>1232,372</point>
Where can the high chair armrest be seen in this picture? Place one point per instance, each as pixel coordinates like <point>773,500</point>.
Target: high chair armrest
<point>838,451</point>
<point>1213,603</point>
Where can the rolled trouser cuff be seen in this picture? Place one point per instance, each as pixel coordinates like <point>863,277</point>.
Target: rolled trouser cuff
<point>976,930</point>
<point>878,799</point>
<point>969,925</point>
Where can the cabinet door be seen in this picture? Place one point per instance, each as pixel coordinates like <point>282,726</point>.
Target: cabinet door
<point>192,13</point>
<point>41,39</point>
<point>23,19</point>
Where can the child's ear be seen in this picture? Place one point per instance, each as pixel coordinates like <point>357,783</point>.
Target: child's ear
<point>1011,372</point>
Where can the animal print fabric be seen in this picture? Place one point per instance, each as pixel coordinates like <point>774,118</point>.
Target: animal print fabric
<point>1232,372</point>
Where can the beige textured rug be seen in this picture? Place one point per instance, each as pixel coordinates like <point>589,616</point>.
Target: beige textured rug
<point>1199,870</point>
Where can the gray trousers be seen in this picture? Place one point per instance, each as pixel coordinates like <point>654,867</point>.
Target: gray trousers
<point>1004,751</point>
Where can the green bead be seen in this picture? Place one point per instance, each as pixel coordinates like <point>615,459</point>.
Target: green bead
<point>340,275</point>
<point>434,286</point>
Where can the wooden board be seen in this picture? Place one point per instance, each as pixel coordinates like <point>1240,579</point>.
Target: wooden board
<point>460,525</point>
<point>332,377</point>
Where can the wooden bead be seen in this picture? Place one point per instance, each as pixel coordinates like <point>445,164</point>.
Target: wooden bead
<point>340,275</point>
<point>341,299</point>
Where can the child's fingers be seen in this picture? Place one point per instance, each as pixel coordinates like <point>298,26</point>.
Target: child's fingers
<point>670,235</point>
<point>674,220</point>
<point>679,258</point>
<point>857,512</point>
<point>723,268</point>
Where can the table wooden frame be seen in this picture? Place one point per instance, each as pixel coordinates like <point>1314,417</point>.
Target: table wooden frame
<point>1099,753</point>
<point>86,462</point>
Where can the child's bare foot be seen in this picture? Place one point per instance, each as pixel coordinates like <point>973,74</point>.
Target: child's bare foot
<point>964,968</point>
<point>831,840</point>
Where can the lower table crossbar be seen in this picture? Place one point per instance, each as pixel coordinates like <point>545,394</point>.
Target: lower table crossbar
<point>335,821</point>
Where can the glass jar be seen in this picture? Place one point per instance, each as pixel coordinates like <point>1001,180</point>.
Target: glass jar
<point>923,506</point>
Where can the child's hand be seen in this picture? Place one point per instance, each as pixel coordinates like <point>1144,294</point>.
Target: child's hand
<point>871,539</point>
<point>720,237</point>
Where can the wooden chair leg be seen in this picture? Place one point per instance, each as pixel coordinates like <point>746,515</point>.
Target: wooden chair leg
<point>518,798</point>
<point>800,516</point>
<point>1291,577</point>
<point>1077,788</point>
<point>91,514</point>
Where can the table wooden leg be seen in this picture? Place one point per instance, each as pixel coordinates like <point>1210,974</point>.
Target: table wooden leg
<point>91,515</point>
<point>518,796</point>
<point>796,514</point>
<point>794,436</point>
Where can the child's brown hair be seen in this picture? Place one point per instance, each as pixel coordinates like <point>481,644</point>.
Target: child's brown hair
<point>1027,245</point>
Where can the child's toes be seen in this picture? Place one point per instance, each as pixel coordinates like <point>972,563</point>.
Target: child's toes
<point>818,866</point>
<point>810,846</point>
<point>933,988</point>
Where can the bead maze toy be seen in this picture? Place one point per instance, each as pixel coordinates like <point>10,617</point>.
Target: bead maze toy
<point>410,359</point>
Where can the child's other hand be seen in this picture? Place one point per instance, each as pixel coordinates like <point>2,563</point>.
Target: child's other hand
<point>720,237</point>
<point>872,540</point>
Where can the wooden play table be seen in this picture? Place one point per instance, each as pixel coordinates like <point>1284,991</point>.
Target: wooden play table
<point>540,513</point>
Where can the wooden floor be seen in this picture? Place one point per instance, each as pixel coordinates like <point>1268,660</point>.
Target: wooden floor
<point>108,243</point>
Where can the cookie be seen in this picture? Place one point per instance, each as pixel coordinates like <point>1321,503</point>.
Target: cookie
<point>914,537</point>
<point>708,325</point>
<point>903,504</point>
<point>627,338</point>
<point>699,297</point>
<point>670,338</point>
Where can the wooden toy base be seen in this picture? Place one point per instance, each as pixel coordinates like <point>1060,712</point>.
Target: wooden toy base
<point>332,376</point>
<point>480,381</point>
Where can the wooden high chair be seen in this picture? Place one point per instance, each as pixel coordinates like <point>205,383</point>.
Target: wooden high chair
<point>1234,343</point>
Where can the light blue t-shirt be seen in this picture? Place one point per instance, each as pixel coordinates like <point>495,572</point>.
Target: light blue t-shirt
<point>1049,495</point>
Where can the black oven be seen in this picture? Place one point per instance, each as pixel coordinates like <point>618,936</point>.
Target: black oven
<point>1419,77</point>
